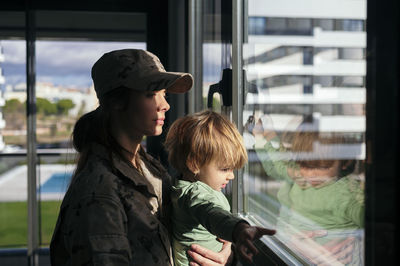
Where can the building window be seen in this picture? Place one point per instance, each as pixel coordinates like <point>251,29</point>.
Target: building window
<point>304,128</point>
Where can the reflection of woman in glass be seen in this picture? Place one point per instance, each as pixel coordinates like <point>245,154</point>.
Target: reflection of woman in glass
<point>321,201</point>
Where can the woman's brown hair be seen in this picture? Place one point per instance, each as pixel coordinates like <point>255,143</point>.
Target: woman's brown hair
<point>94,127</point>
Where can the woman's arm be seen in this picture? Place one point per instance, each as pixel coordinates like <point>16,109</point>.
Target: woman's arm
<point>97,233</point>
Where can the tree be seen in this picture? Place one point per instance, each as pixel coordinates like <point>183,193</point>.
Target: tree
<point>64,105</point>
<point>45,107</point>
<point>13,106</point>
<point>14,114</point>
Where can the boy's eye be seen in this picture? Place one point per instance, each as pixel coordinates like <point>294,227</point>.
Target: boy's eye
<point>150,94</point>
<point>225,169</point>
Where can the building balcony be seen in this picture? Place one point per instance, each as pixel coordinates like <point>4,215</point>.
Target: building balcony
<point>324,68</point>
<point>320,38</point>
<point>293,95</point>
<point>320,123</point>
<point>355,9</point>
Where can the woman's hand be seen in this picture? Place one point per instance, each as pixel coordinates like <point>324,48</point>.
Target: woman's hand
<point>203,256</point>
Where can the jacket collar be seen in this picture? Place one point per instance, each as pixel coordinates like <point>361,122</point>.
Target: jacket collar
<point>128,170</point>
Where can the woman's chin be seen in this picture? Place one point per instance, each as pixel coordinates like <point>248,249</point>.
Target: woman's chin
<point>154,133</point>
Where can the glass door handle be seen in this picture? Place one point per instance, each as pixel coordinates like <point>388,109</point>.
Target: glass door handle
<point>223,87</point>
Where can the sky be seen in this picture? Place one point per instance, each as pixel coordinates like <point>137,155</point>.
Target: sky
<point>59,62</point>
<point>68,63</point>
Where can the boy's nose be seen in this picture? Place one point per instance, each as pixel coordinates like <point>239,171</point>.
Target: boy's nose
<point>231,175</point>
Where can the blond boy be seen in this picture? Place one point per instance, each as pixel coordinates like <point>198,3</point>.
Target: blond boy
<point>205,148</point>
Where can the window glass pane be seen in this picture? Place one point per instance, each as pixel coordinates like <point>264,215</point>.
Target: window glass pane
<point>13,175</point>
<point>304,127</point>
<point>216,49</point>
<point>54,176</point>
<point>13,201</point>
<point>64,92</point>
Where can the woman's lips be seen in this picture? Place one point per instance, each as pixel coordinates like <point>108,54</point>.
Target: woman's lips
<point>160,121</point>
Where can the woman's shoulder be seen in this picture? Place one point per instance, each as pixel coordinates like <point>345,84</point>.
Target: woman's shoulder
<point>96,179</point>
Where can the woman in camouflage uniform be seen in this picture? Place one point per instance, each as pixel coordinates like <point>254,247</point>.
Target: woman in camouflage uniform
<point>116,210</point>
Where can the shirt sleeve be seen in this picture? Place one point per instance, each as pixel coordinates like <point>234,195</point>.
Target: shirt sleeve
<point>274,165</point>
<point>208,211</point>
<point>98,233</point>
<point>351,202</point>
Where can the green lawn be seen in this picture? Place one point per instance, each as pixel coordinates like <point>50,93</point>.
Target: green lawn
<point>14,222</point>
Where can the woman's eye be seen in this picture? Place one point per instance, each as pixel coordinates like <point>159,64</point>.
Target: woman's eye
<point>150,94</point>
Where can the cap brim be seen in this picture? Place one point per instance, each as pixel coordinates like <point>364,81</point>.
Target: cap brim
<point>182,84</point>
<point>173,82</point>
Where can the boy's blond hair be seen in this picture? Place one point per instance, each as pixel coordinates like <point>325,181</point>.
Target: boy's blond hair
<point>195,140</point>
<point>304,141</point>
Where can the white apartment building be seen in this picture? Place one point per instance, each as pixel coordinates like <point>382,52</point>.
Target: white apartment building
<point>309,54</point>
<point>2,101</point>
<point>54,93</point>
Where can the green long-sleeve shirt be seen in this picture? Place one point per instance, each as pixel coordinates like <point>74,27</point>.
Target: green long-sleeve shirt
<point>335,206</point>
<point>200,215</point>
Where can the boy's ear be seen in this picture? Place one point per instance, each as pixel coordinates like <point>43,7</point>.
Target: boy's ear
<point>346,164</point>
<point>194,169</point>
<point>347,167</point>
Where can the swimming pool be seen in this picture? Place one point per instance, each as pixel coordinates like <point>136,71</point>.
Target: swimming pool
<point>57,183</point>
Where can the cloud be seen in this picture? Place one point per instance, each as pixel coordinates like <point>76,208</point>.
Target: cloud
<point>14,51</point>
<point>73,57</point>
<point>69,63</point>
<point>60,62</point>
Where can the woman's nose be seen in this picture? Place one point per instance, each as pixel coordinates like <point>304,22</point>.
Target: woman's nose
<point>163,105</point>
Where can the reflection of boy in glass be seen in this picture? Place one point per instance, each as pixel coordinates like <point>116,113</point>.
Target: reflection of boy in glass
<point>320,193</point>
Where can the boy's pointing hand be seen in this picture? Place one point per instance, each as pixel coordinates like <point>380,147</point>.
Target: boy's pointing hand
<point>244,235</point>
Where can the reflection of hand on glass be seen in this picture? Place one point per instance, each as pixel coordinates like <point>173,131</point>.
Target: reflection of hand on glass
<point>334,252</point>
<point>263,126</point>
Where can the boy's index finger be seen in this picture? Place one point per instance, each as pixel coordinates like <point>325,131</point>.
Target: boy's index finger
<point>261,231</point>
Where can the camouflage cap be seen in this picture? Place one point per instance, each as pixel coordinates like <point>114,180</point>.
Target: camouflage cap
<point>136,69</point>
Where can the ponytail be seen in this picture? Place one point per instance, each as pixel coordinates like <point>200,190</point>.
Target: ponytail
<point>85,133</point>
<point>94,127</point>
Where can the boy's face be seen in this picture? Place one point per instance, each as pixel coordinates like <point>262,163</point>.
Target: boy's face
<point>319,176</point>
<point>215,175</point>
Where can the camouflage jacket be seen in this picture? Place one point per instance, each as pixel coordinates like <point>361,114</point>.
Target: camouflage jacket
<point>113,215</point>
